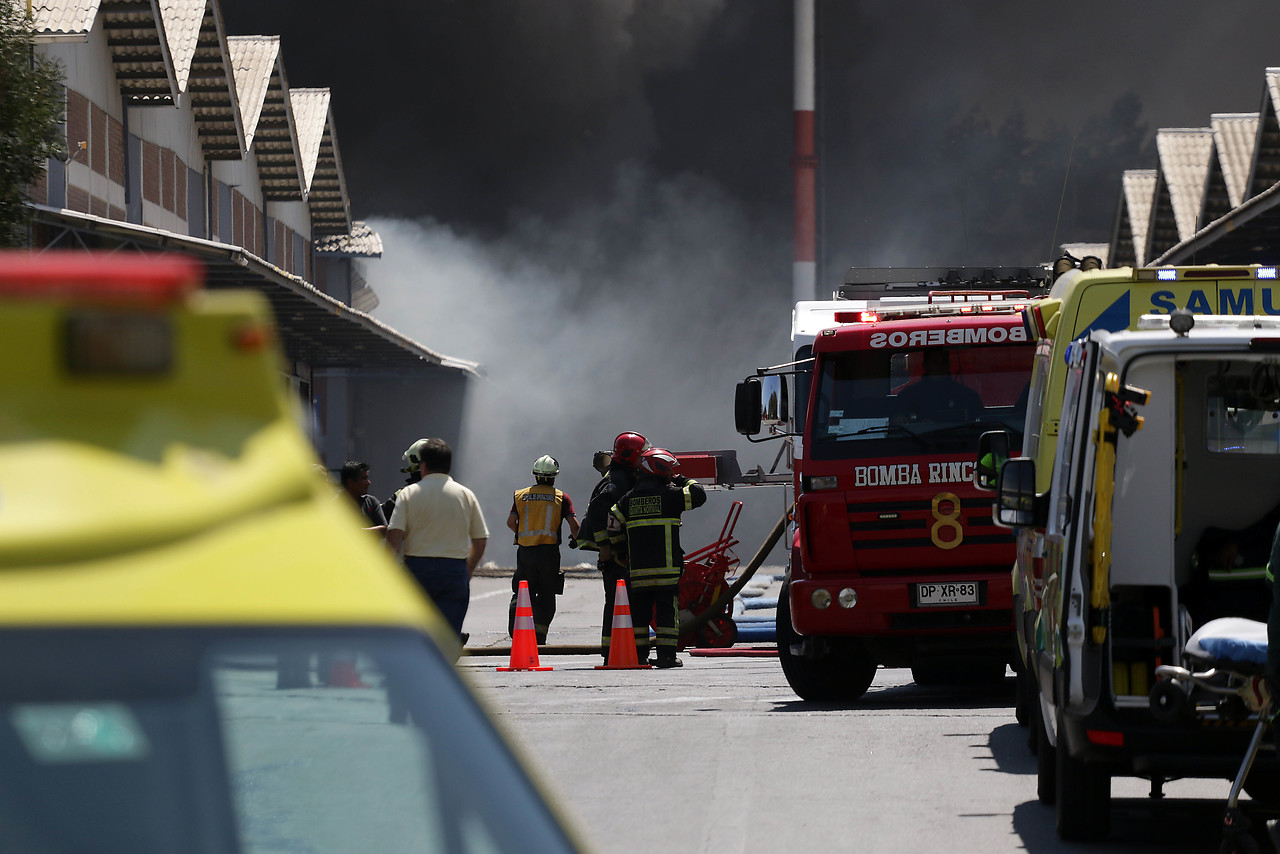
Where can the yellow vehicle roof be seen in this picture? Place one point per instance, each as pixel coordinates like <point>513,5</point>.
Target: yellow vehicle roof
<point>165,480</point>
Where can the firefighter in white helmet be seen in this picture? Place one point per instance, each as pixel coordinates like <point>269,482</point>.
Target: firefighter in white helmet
<point>537,513</point>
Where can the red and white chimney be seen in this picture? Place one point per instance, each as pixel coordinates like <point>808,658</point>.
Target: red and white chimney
<point>805,162</point>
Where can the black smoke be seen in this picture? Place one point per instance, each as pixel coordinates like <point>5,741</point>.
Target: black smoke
<point>593,197</point>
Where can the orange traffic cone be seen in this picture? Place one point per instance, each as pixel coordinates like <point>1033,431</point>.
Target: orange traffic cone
<point>622,639</point>
<point>343,674</point>
<point>524,645</point>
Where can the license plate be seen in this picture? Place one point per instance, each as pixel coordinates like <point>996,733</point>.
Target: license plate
<point>948,593</point>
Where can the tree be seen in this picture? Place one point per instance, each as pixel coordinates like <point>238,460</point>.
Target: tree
<point>31,98</point>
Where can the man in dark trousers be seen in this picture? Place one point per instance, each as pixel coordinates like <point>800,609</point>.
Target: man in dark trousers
<point>536,515</point>
<point>649,516</point>
<point>593,535</point>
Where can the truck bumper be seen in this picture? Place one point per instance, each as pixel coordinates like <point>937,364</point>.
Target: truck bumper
<point>886,607</point>
<point>1132,746</point>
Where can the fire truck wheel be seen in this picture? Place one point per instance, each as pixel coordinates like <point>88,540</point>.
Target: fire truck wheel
<point>1083,794</point>
<point>842,672</point>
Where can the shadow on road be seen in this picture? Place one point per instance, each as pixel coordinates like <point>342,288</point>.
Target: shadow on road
<point>1137,824</point>
<point>1008,743</point>
<point>912,696</point>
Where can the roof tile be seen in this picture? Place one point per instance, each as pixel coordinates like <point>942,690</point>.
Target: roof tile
<point>62,17</point>
<point>182,21</point>
<point>1234,137</point>
<point>253,60</point>
<point>1184,164</point>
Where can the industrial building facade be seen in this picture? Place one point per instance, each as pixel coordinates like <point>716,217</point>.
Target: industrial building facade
<point>182,138</point>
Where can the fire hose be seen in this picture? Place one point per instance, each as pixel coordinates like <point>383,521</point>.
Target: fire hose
<point>717,607</point>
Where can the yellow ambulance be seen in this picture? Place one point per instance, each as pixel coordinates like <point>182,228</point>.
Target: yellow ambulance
<point>200,650</point>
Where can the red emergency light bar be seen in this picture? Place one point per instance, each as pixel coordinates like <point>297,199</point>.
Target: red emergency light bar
<point>864,316</point>
<point>856,317</point>
<point>99,276</point>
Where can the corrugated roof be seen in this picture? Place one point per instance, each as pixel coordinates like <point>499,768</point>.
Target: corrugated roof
<point>56,19</point>
<point>326,186</point>
<point>314,326</point>
<point>1137,189</point>
<point>1234,137</point>
<point>182,20</point>
<point>1266,156</point>
<point>1184,164</point>
<point>253,60</point>
<point>139,52</point>
<point>361,242</point>
<point>268,116</point>
<point>212,90</point>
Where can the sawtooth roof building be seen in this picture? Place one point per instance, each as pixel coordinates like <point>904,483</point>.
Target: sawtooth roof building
<point>1213,197</point>
<point>183,138</point>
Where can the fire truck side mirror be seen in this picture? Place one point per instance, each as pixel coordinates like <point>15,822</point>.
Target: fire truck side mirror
<point>760,402</point>
<point>1017,505</point>
<point>746,407</point>
<point>993,450</point>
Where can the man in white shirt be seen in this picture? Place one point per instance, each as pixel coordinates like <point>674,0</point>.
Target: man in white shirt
<point>438,526</point>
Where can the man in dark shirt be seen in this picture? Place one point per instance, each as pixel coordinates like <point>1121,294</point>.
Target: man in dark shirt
<point>356,483</point>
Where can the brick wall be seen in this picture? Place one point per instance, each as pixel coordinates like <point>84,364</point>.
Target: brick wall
<point>98,146</point>
<point>115,150</point>
<point>151,172</point>
<point>77,121</point>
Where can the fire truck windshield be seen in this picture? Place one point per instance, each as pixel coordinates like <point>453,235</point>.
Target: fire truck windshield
<point>874,403</point>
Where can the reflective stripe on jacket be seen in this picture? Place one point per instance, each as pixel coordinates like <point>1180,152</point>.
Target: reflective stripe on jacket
<point>538,515</point>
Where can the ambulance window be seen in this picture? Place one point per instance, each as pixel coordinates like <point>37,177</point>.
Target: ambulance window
<point>1242,412</point>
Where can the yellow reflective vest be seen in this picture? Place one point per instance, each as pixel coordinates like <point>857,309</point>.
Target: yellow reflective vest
<point>538,515</point>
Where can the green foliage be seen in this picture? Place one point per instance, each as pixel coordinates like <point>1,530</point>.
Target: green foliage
<point>31,98</point>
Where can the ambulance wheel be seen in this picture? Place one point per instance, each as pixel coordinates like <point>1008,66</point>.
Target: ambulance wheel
<point>843,672</point>
<point>1083,795</point>
<point>1046,758</point>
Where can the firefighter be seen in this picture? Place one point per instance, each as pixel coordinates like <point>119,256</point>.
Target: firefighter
<point>536,515</point>
<point>649,519</point>
<point>619,478</point>
<point>411,459</point>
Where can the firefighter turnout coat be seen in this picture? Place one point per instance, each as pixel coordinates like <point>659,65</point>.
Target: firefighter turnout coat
<point>649,520</point>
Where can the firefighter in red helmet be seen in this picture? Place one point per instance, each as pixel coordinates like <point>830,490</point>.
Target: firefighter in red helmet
<point>649,522</point>
<point>593,534</point>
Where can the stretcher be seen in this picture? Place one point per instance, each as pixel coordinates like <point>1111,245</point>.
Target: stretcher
<point>1223,683</point>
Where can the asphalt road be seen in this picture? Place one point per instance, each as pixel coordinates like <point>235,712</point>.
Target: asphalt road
<point>720,756</point>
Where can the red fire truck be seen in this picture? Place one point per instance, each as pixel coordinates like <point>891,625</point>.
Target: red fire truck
<point>895,559</point>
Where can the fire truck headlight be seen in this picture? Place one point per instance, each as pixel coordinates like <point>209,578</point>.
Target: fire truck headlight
<point>821,598</point>
<point>823,482</point>
<point>848,597</point>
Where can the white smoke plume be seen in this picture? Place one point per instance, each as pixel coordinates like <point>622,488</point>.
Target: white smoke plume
<point>638,315</point>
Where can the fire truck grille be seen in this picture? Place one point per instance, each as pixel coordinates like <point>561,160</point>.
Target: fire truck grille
<point>907,524</point>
